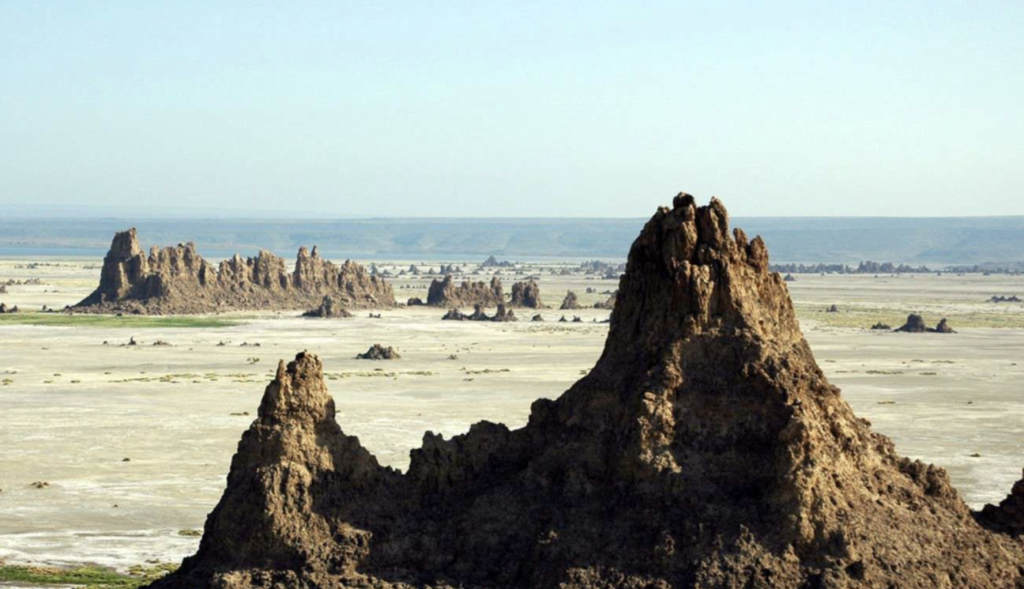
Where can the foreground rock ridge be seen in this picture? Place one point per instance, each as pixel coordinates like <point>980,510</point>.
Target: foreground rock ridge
<point>177,280</point>
<point>704,450</point>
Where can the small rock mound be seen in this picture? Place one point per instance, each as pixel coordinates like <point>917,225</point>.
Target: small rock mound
<point>379,352</point>
<point>915,324</point>
<point>4,309</point>
<point>608,304</point>
<point>1003,299</point>
<point>882,326</point>
<point>570,302</point>
<point>329,308</point>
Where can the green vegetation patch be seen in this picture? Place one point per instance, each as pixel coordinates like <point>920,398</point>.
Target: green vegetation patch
<point>132,321</point>
<point>90,577</point>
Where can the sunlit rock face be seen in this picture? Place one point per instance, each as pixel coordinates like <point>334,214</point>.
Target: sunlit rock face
<point>705,449</point>
<point>177,280</point>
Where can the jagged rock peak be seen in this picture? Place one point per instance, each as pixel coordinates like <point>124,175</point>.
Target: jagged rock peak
<point>705,449</point>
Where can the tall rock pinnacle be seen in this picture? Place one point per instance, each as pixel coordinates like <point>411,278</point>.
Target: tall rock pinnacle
<point>706,449</point>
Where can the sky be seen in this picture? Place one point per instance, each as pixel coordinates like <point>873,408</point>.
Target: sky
<point>511,109</point>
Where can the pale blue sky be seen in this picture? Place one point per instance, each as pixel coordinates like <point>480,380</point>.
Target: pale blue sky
<point>512,108</point>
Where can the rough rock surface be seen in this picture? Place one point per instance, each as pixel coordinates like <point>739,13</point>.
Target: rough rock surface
<point>379,352</point>
<point>943,327</point>
<point>705,449</point>
<point>445,293</point>
<point>1008,516</point>
<point>570,301</point>
<point>177,280</point>
<point>526,295</point>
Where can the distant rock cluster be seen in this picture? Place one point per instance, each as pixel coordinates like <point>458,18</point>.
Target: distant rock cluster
<point>526,295</point>
<point>177,280</point>
<point>446,293</point>
<point>915,324</point>
<point>502,314</point>
<point>379,352</point>
<point>1002,299</point>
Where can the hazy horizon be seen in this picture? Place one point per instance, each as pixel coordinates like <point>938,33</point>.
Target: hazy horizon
<point>512,110</point>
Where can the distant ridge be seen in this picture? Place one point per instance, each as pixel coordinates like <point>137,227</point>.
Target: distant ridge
<point>933,241</point>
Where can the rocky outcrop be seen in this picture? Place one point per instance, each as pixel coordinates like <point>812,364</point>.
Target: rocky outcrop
<point>445,293</point>
<point>881,326</point>
<point>329,308</point>
<point>503,314</point>
<point>177,280</point>
<point>4,309</point>
<point>379,352</point>
<point>455,315</point>
<point>915,324</point>
<point>414,302</point>
<point>996,299</point>
<point>609,303</point>
<point>1008,516</point>
<point>570,302</point>
<point>492,262</point>
<point>526,295</point>
<point>705,449</point>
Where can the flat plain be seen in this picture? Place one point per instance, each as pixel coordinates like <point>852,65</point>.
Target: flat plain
<point>113,454</point>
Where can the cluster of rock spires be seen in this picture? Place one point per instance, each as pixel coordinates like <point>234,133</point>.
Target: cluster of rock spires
<point>526,295</point>
<point>705,449</point>
<point>502,314</point>
<point>4,309</point>
<point>177,280</point>
<point>445,293</point>
<point>915,324</point>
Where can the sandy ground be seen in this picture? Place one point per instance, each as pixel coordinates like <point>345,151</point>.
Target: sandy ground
<point>72,409</point>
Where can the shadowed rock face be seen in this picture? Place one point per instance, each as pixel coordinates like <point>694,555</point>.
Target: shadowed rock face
<point>705,449</point>
<point>177,280</point>
<point>445,293</point>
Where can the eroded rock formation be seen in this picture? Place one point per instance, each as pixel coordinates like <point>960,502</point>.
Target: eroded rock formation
<point>705,449</point>
<point>526,295</point>
<point>329,308</point>
<point>503,314</point>
<point>445,293</point>
<point>379,352</point>
<point>177,280</point>
<point>571,301</point>
<point>1008,516</point>
<point>915,324</point>
<point>609,303</point>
